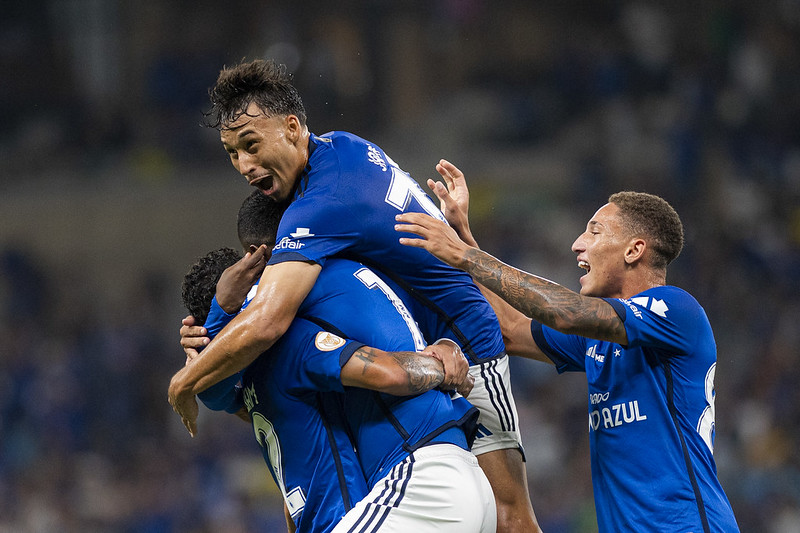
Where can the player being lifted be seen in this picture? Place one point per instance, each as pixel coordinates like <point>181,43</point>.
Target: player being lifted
<point>307,397</point>
<point>344,193</point>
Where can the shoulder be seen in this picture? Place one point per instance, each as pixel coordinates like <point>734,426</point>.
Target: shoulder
<point>661,301</point>
<point>349,149</point>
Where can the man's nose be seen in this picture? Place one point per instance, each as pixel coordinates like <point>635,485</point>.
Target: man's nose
<point>247,164</point>
<point>578,246</point>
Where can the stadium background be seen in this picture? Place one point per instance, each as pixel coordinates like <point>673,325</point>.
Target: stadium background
<point>109,189</point>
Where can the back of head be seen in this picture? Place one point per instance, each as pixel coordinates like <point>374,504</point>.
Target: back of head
<point>200,282</point>
<point>261,81</point>
<point>654,219</point>
<point>258,220</point>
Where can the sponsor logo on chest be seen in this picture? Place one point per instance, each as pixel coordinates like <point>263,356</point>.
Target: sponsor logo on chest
<point>614,415</point>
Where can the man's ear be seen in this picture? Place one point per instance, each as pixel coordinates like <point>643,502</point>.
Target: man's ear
<point>635,250</point>
<point>294,130</point>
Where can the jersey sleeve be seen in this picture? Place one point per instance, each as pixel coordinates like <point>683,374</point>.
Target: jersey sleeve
<point>313,229</point>
<point>566,351</point>
<point>319,356</point>
<point>664,318</point>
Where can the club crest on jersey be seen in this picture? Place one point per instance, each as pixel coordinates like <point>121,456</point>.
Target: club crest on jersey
<point>375,157</point>
<point>325,341</point>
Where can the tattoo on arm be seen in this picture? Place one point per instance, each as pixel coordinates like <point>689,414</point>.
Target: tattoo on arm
<point>422,372</point>
<point>544,301</point>
<point>367,355</point>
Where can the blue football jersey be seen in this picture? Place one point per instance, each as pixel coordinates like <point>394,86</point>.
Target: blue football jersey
<point>345,205</point>
<point>651,415</point>
<point>353,301</point>
<point>350,300</point>
<point>292,392</point>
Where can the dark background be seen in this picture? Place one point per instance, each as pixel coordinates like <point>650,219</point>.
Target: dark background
<point>110,189</point>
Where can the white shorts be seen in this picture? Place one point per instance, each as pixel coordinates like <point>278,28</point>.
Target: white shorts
<point>438,489</point>
<point>498,423</point>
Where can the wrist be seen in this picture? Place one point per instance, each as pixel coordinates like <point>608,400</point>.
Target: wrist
<point>229,307</point>
<point>179,385</point>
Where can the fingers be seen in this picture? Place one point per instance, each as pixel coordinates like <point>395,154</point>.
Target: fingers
<point>449,172</point>
<point>193,331</point>
<point>411,226</point>
<point>440,191</point>
<point>415,222</point>
<point>466,386</point>
<point>446,169</point>
<point>456,367</point>
<point>191,425</point>
<point>194,341</point>
<point>193,337</point>
<point>256,257</point>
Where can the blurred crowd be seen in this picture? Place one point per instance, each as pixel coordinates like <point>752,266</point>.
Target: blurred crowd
<point>548,107</point>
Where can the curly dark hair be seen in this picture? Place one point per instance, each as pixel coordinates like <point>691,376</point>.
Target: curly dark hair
<point>653,218</point>
<point>258,220</point>
<point>200,282</point>
<point>261,81</point>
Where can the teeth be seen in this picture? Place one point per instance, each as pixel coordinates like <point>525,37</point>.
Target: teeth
<point>583,264</point>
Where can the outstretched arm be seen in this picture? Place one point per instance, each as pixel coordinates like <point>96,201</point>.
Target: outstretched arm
<point>453,197</point>
<point>535,297</point>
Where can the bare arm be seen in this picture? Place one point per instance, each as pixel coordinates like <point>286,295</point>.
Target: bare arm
<point>453,197</point>
<point>232,289</point>
<point>404,373</point>
<point>537,298</point>
<point>280,292</point>
<point>290,527</point>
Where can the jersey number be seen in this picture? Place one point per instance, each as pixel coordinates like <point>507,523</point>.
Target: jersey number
<point>268,440</point>
<point>706,424</point>
<point>372,281</point>
<point>403,188</point>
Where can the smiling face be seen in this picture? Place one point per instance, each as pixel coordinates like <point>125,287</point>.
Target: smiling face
<point>271,152</point>
<point>604,251</point>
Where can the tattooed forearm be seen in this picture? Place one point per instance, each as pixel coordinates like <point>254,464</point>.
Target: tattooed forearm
<point>424,373</point>
<point>408,372</point>
<point>544,301</point>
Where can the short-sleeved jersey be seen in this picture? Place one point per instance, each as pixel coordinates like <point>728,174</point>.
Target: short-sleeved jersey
<point>292,394</point>
<point>651,415</point>
<point>351,300</point>
<point>345,205</point>
<point>348,299</point>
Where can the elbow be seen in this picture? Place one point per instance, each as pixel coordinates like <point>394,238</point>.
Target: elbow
<point>266,330</point>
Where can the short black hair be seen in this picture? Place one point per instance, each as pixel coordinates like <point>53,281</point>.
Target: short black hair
<point>200,282</point>
<point>653,218</point>
<point>258,220</point>
<point>264,82</point>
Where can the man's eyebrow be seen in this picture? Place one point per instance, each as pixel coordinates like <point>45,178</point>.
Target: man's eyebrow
<point>245,131</point>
